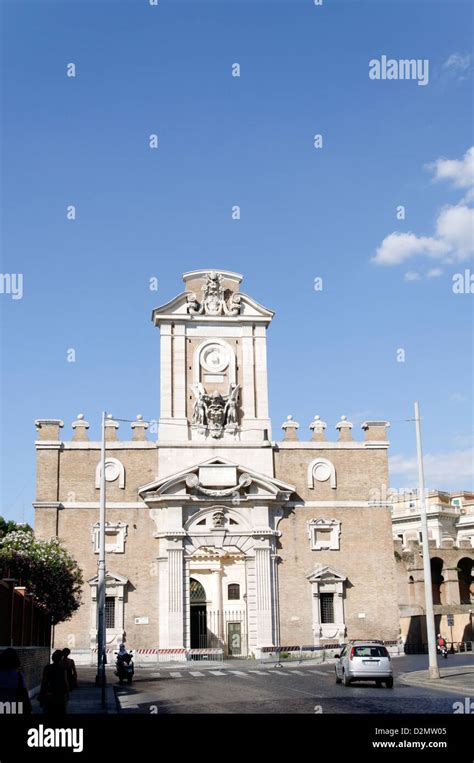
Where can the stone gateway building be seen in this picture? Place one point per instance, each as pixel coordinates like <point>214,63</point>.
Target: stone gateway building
<point>217,535</point>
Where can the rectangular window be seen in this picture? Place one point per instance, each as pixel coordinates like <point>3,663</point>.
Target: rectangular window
<point>110,611</point>
<point>327,607</point>
<point>370,651</point>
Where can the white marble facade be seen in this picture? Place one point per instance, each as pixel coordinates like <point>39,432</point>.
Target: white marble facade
<point>216,505</point>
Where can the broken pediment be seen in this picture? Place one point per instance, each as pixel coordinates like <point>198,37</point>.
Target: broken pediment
<point>216,478</point>
<point>211,294</point>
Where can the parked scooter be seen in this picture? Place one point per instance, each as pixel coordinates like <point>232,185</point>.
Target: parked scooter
<point>124,668</point>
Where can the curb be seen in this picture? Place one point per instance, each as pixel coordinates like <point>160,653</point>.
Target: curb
<point>411,679</point>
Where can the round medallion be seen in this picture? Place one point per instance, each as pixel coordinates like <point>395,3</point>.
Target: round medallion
<point>322,472</point>
<point>112,471</point>
<point>214,358</point>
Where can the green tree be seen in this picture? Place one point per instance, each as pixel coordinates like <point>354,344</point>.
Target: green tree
<point>9,526</point>
<point>46,569</point>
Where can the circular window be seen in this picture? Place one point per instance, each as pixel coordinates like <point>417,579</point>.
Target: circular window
<point>214,358</point>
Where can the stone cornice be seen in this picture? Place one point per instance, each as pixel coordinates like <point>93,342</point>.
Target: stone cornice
<point>88,505</point>
<point>90,445</point>
<point>327,445</point>
<point>338,504</point>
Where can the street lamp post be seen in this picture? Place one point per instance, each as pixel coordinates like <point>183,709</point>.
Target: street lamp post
<point>430,629</point>
<point>101,641</point>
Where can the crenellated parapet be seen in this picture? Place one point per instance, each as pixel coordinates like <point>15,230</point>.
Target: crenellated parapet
<point>49,431</point>
<point>375,432</point>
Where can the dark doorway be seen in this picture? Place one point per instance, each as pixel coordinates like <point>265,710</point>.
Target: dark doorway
<point>198,626</point>
<point>437,579</point>
<point>466,581</point>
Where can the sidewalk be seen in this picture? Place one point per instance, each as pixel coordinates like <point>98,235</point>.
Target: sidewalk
<point>456,679</point>
<point>87,698</point>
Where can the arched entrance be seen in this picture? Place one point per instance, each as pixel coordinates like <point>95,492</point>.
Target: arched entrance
<point>198,614</point>
<point>218,600</point>
<point>466,580</point>
<point>437,579</point>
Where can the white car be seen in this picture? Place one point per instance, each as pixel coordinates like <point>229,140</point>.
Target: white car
<point>364,661</point>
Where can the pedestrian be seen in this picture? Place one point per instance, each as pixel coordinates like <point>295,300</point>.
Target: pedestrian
<point>71,672</point>
<point>54,692</point>
<point>13,687</point>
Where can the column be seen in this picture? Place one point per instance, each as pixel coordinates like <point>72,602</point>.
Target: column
<point>175,595</point>
<point>261,372</point>
<point>339,610</point>
<point>217,602</point>
<point>275,600</point>
<point>316,615</point>
<point>248,374</point>
<point>179,373</point>
<point>162,572</point>
<point>166,367</point>
<point>264,596</point>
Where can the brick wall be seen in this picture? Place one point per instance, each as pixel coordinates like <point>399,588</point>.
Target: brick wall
<point>32,659</point>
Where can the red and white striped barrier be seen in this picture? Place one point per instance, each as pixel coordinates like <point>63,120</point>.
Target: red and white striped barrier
<point>167,655</point>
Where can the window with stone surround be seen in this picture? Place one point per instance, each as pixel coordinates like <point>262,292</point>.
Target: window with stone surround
<point>324,534</point>
<point>115,593</point>
<point>327,593</point>
<point>115,536</point>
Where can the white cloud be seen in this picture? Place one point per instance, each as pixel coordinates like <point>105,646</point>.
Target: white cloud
<point>458,65</point>
<point>443,471</point>
<point>459,171</point>
<point>453,240</point>
<point>455,227</point>
<point>411,275</point>
<point>469,197</point>
<point>398,247</point>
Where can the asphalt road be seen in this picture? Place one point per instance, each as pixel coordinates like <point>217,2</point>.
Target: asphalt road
<point>272,690</point>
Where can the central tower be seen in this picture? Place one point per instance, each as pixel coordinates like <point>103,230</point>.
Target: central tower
<point>213,363</point>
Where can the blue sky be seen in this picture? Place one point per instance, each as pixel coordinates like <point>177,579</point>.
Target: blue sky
<point>305,212</point>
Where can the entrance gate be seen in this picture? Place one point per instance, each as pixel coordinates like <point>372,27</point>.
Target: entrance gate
<point>213,629</point>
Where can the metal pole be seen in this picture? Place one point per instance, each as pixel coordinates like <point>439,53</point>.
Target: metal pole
<point>101,641</point>
<point>430,627</point>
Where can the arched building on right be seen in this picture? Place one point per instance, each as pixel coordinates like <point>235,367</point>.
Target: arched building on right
<point>451,539</point>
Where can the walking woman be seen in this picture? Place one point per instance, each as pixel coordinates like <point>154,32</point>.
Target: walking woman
<point>71,672</point>
<point>54,692</point>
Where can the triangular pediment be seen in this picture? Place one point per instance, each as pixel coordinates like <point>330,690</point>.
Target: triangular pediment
<point>324,573</point>
<point>213,479</point>
<point>111,578</point>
